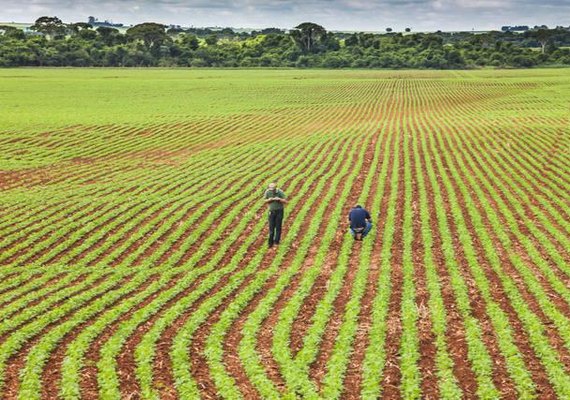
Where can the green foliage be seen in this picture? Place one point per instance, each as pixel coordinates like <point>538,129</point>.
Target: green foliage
<point>307,46</point>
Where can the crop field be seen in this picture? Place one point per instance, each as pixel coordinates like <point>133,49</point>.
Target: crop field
<point>133,234</point>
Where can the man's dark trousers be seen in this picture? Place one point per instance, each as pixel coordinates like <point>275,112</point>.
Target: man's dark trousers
<point>275,221</point>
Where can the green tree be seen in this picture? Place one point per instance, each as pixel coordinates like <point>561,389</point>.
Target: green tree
<point>12,32</point>
<point>212,40</point>
<point>109,36</point>
<point>51,27</point>
<point>542,36</point>
<point>77,27</point>
<point>150,33</point>
<point>307,35</point>
<point>189,41</point>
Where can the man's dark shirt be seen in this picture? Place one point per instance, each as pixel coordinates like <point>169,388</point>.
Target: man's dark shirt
<point>358,217</point>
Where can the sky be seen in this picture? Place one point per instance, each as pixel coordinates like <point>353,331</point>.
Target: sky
<point>345,15</point>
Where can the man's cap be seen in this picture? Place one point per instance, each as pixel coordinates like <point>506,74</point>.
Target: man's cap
<point>272,185</point>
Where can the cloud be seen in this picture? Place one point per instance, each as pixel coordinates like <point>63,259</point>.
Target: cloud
<point>333,14</point>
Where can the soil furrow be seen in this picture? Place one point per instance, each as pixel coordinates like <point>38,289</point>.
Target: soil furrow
<point>502,379</point>
<point>318,369</point>
<point>51,376</point>
<point>18,360</point>
<point>353,378</point>
<point>234,335</point>
<point>392,375</point>
<point>501,298</point>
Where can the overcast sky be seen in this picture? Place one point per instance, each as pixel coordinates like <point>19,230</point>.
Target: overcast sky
<point>350,15</point>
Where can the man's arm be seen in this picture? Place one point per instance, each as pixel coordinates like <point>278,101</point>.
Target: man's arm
<point>282,197</point>
<point>270,199</point>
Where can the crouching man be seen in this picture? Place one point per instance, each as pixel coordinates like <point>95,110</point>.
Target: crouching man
<point>360,222</point>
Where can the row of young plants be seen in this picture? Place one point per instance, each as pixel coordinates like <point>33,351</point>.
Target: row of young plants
<point>332,382</point>
<point>518,197</point>
<point>375,353</point>
<point>214,345</point>
<point>295,369</point>
<point>44,314</point>
<point>39,290</point>
<point>208,198</point>
<point>90,242</point>
<point>111,205</point>
<point>486,135</point>
<point>220,201</point>
<point>477,352</point>
<point>490,166</point>
<point>409,343</point>
<point>448,386</point>
<point>107,377</point>
<point>520,186</point>
<point>504,333</point>
<point>532,156</point>
<point>532,249</point>
<point>148,342</point>
<point>534,327</point>
<point>18,283</point>
<point>182,342</point>
<point>93,168</point>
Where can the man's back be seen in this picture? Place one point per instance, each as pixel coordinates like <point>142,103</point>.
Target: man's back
<point>358,217</point>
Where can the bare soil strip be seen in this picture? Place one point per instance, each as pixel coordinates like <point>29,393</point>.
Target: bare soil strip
<point>353,379</point>
<point>318,368</point>
<point>391,375</point>
<point>501,376</point>
<point>234,336</point>
<point>51,376</point>
<point>521,336</point>
<point>15,364</point>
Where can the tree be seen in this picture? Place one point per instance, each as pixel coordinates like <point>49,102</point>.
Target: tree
<point>12,32</point>
<point>189,41</point>
<point>152,34</point>
<point>408,30</point>
<point>51,27</point>
<point>389,30</point>
<point>212,40</point>
<point>109,35</point>
<point>307,35</point>
<point>175,31</point>
<point>78,27</point>
<point>542,36</point>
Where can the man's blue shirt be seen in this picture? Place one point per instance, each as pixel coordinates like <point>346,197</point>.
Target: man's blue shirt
<point>357,217</point>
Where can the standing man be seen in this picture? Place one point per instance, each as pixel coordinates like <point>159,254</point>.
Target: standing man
<point>360,222</point>
<point>275,199</point>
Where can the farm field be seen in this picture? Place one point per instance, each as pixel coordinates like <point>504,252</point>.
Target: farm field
<point>133,256</point>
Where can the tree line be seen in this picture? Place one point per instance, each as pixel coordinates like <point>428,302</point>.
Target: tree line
<point>51,42</point>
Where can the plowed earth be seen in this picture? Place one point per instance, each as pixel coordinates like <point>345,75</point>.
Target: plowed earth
<point>133,253</point>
